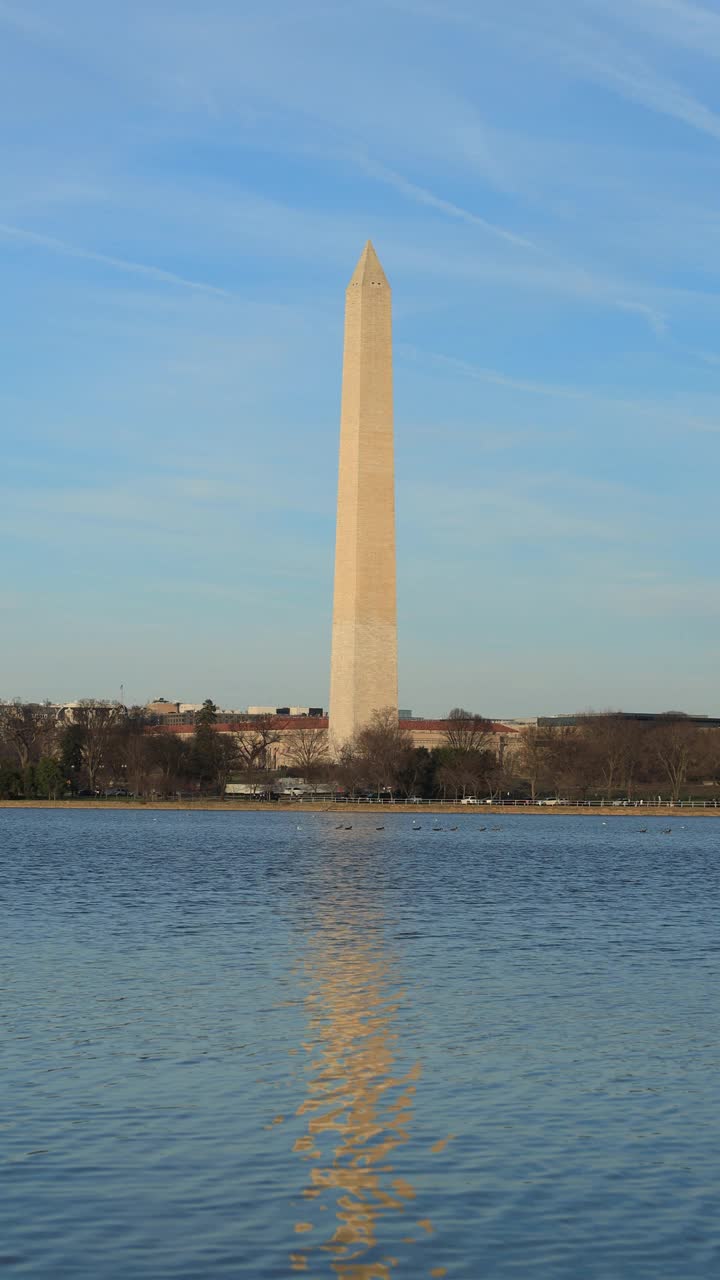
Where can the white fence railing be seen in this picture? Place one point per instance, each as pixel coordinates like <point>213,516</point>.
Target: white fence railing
<point>388,802</point>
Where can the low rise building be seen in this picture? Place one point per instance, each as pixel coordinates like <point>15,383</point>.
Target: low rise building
<point>258,712</point>
<point>641,717</point>
<point>286,732</point>
<point>161,707</point>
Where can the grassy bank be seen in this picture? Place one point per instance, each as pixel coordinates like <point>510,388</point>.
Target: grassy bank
<point>384,810</point>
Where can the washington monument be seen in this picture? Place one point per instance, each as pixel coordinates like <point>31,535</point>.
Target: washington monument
<point>363,669</point>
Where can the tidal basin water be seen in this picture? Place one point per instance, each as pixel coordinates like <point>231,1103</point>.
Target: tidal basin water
<point>255,1045</point>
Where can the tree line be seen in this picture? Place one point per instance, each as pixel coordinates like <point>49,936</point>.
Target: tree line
<point>105,748</point>
<point>602,756</point>
<point>610,755</point>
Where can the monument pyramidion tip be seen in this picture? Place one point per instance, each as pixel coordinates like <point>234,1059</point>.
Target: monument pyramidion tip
<point>369,270</point>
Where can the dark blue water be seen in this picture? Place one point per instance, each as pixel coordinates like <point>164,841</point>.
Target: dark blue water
<point>254,1045</point>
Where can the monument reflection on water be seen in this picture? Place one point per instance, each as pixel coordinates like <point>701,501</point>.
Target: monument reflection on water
<point>358,1110</point>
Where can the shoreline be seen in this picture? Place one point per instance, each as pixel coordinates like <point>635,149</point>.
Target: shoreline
<point>407,810</point>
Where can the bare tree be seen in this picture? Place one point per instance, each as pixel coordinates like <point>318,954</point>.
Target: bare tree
<point>677,747</point>
<point>254,744</point>
<point>570,762</point>
<point>132,754</point>
<point>710,755</point>
<point>499,774</point>
<point>533,758</point>
<point>468,756</point>
<point>380,752</point>
<point>552,758</point>
<point>575,764</point>
<point>556,758</point>
<point>636,762</point>
<point>97,723</point>
<point>28,730</point>
<point>615,742</point>
<point>307,749</point>
<point>473,769</point>
<point>467,731</point>
<point>463,773</point>
<point>350,768</point>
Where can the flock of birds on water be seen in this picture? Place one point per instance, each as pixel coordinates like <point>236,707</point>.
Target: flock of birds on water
<point>416,826</point>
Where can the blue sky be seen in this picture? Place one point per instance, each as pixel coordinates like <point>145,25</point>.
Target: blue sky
<point>184,191</point>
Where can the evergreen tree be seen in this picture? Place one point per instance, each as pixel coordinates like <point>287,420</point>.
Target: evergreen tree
<point>49,779</point>
<point>212,754</point>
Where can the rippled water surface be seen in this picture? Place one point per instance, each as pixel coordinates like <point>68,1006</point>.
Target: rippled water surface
<point>252,1045</point>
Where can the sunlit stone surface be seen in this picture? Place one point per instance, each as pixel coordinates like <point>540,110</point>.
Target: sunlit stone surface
<point>363,670</point>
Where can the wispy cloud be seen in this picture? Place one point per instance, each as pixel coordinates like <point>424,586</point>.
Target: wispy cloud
<point>550,273</point>
<point>467,515</point>
<point>117,264</point>
<point>428,198</point>
<point>678,22</point>
<point>636,81</point>
<point>585,50</point>
<point>675,416</point>
<point>492,376</point>
<point>708,357</point>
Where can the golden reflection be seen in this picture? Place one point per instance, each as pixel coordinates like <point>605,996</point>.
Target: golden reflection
<point>358,1109</point>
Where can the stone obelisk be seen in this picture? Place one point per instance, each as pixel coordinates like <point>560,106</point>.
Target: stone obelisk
<point>363,670</point>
